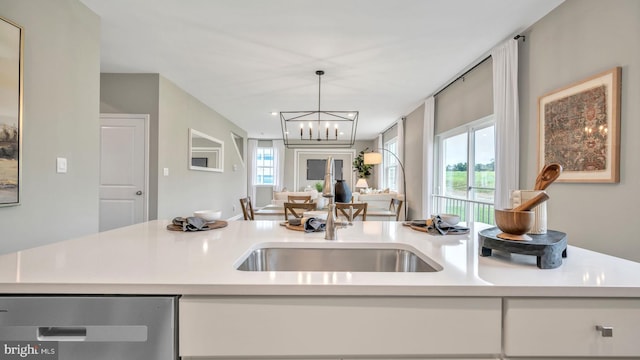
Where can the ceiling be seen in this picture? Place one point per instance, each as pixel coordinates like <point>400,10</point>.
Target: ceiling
<point>249,58</point>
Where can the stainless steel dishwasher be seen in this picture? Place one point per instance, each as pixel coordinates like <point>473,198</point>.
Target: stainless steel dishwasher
<point>88,327</point>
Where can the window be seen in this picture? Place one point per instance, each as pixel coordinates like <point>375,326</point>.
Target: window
<point>391,165</point>
<point>466,176</point>
<point>264,166</point>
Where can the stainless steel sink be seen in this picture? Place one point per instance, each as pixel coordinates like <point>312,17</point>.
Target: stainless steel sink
<point>377,259</point>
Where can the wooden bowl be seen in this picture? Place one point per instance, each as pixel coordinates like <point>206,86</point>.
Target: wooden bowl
<point>514,222</point>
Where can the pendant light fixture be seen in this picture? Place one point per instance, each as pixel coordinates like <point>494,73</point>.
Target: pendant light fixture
<point>319,128</point>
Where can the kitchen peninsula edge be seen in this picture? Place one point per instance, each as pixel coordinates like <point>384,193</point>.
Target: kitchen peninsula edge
<point>496,304</point>
<point>149,259</point>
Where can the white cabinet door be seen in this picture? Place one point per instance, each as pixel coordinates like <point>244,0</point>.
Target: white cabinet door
<point>567,327</point>
<point>339,326</point>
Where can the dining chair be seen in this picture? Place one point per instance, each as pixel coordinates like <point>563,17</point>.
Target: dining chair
<point>358,209</point>
<point>305,199</point>
<point>297,209</point>
<point>396,206</point>
<point>247,208</point>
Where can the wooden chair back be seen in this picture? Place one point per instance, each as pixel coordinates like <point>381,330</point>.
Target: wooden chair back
<point>396,206</point>
<point>305,199</point>
<point>297,209</point>
<point>359,209</point>
<point>247,208</point>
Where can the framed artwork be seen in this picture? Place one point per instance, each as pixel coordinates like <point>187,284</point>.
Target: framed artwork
<point>10,112</point>
<point>579,128</point>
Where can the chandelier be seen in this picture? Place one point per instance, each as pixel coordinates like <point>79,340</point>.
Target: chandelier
<point>319,128</point>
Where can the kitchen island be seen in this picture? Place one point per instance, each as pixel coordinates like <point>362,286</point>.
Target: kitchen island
<point>496,304</point>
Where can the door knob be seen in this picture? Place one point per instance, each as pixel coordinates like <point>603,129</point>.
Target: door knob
<point>139,192</point>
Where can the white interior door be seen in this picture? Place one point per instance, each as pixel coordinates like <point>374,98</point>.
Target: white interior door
<point>123,170</point>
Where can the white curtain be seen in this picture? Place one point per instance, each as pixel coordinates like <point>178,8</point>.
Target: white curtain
<point>380,167</point>
<point>505,108</point>
<point>252,146</point>
<point>278,165</point>
<point>400,155</point>
<point>428,160</point>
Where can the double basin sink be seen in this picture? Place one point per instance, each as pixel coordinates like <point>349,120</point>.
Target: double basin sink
<point>337,257</point>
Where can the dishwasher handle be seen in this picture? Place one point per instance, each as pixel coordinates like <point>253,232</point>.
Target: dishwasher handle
<point>85,333</point>
<point>62,333</point>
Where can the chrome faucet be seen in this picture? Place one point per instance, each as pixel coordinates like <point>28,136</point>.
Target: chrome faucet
<point>330,228</point>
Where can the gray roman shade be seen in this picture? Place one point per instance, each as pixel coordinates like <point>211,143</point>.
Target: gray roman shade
<point>467,99</point>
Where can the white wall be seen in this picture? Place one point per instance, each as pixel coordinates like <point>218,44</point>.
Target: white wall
<point>61,119</point>
<point>290,158</point>
<point>578,39</point>
<point>302,155</point>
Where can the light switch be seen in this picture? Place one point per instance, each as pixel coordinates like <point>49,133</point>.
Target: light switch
<point>165,171</point>
<point>61,165</point>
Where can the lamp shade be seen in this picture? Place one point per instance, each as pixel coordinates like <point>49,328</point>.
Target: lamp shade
<point>362,183</point>
<point>373,158</point>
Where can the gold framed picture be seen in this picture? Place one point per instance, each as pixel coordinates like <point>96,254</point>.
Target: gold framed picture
<point>579,128</point>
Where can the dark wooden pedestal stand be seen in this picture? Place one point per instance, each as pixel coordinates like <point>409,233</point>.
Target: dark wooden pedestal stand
<point>549,248</point>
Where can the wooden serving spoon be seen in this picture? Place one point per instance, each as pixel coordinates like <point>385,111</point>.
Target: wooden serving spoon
<point>533,202</point>
<point>547,175</point>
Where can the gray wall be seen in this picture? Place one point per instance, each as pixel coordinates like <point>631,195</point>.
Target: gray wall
<point>184,190</point>
<point>136,94</point>
<point>172,112</point>
<point>578,39</point>
<point>61,92</point>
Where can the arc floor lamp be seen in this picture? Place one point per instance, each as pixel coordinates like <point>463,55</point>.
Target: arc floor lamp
<point>375,158</point>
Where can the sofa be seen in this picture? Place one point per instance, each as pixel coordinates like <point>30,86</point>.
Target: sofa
<point>377,201</point>
<point>377,208</point>
<point>281,197</point>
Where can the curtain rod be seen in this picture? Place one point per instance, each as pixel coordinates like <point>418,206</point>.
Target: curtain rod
<point>404,118</point>
<point>462,75</point>
<point>516,37</point>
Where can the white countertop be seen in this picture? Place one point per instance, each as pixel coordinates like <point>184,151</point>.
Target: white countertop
<point>148,259</point>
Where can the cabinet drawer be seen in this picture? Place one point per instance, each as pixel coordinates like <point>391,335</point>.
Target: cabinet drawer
<point>338,326</point>
<point>567,327</point>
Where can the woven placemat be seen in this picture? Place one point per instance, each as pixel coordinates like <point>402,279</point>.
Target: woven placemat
<point>295,227</point>
<point>425,228</point>
<point>292,227</point>
<point>210,226</point>
<point>422,228</point>
<point>418,228</point>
